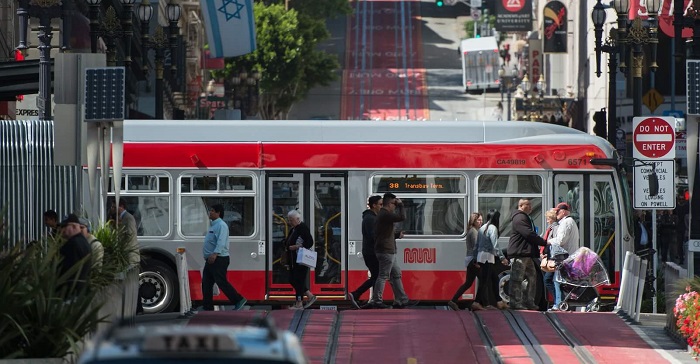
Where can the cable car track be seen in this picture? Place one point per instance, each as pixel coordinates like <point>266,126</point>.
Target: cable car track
<point>583,355</point>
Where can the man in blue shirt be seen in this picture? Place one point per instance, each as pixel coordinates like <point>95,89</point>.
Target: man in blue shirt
<point>216,261</point>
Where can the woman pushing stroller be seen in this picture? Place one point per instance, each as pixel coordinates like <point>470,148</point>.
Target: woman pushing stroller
<point>562,241</point>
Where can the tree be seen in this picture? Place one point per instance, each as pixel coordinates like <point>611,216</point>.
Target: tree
<point>287,57</point>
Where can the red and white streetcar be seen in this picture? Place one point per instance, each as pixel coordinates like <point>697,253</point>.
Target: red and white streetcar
<point>443,171</point>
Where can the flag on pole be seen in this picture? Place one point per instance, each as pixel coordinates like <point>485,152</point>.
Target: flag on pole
<point>230,27</point>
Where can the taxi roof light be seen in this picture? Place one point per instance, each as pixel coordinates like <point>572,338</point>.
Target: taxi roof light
<point>178,341</point>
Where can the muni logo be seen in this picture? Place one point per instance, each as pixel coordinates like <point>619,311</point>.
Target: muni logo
<point>419,255</point>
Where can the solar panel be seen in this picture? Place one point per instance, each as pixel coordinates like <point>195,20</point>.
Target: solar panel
<point>693,86</point>
<point>104,93</point>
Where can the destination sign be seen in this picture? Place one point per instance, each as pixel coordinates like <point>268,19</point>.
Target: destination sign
<point>419,184</point>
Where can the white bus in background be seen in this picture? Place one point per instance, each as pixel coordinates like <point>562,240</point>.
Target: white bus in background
<point>480,64</point>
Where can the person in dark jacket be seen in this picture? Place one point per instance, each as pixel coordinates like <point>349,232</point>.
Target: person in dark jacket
<point>74,251</point>
<point>299,237</point>
<point>385,248</point>
<point>368,220</point>
<point>523,249</point>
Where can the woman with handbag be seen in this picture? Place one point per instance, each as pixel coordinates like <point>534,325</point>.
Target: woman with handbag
<point>299,237</point>
<point>487,253</point>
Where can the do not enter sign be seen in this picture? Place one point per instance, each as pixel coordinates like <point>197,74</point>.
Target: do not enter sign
<point>654,137</point>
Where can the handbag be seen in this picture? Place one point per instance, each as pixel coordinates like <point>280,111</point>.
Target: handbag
<point>548,265</point>
<point>306,257</point>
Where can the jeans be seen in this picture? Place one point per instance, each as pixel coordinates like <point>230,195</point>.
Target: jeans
<point>373,265</point>
<point>553,287</point>
<point>216,273</point>
<point>388,270</point>
<point>522,269</point>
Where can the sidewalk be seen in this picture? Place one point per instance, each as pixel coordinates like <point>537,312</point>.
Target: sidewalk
<point>651,330</point>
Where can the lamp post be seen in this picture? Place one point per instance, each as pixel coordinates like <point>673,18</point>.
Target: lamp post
<point>159,42</point>
<point>533,98</point>
<point>44,10</point>
<point>246,88</point>
<point>611,47</point>
<point>508,82</point>
<point>635,35</point>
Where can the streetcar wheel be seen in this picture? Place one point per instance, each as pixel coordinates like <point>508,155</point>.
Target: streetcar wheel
<point>158,287</point>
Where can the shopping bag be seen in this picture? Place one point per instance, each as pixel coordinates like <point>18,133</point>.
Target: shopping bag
<point>306,257</point>
<point>216,287</point>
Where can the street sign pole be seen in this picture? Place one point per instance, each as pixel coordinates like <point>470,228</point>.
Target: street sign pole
<point>654,152</point>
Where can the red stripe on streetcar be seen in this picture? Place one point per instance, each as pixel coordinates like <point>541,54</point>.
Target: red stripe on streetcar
<point>356,156</point>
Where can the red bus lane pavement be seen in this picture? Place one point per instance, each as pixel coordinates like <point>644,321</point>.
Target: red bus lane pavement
<point>609,339</point>
<point>384,76</point>
<point>407,336</point>
<point>424,335</point>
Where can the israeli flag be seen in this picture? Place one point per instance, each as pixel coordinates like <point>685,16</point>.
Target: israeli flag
<point>230,27</point>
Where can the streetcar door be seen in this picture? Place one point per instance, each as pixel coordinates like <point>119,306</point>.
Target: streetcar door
<point>327,199</point>
<point>320,198</point>
<point>285,193</point>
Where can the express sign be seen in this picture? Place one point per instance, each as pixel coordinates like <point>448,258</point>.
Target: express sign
<point>654,137</point>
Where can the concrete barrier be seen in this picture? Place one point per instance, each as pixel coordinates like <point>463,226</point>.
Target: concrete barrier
<point>120,299</point>
<point>629,302</point>
<point>184,282</point>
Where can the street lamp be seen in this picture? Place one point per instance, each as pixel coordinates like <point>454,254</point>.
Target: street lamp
<point>159,42</point>
<point>246,88</point>
<point>508,82</point>
<point>45,10</point>
<point>111,29</point>
<point>532,98</point>
<point>635,35</point>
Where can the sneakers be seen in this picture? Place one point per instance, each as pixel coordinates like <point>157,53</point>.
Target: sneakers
<point>353,301</point>
<point>297,306</point>
<point>554,309</point>
<point>533,307</point>
<point>453,305</point>
<point>240,304</point>
<point>310,302</point>
<point>372,305</point>
<point>411,303</point>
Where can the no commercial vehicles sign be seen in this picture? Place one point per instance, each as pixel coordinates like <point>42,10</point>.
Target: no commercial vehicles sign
<point>654,137</point>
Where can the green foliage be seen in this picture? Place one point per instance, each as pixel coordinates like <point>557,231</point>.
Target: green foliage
<point>44,314</point>
<point>287,56</point>
<point>469,26</point>
<point>321,9</point>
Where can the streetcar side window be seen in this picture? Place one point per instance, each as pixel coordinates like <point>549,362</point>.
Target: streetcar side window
<point>503,191</point>
<point>434,203</point>
<point>236,193</point>
<point>147,198</point>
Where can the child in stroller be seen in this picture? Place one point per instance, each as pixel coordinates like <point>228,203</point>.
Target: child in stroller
<point>579,275</point>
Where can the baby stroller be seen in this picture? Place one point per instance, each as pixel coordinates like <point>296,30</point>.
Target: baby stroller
<point>579,275</point>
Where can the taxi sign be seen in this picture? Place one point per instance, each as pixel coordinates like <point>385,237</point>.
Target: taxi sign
<point>189,343</point>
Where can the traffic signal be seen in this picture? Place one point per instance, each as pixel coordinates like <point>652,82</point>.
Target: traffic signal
<point>600,127</point>
<point>439,3</point>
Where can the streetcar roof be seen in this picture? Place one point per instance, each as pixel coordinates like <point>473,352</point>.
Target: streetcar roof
<point>358,131</point>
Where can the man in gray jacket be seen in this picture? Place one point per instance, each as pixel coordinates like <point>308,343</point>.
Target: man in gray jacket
<point>385,249</point>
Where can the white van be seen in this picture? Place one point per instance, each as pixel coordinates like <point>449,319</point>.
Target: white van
<point>480,64</point>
